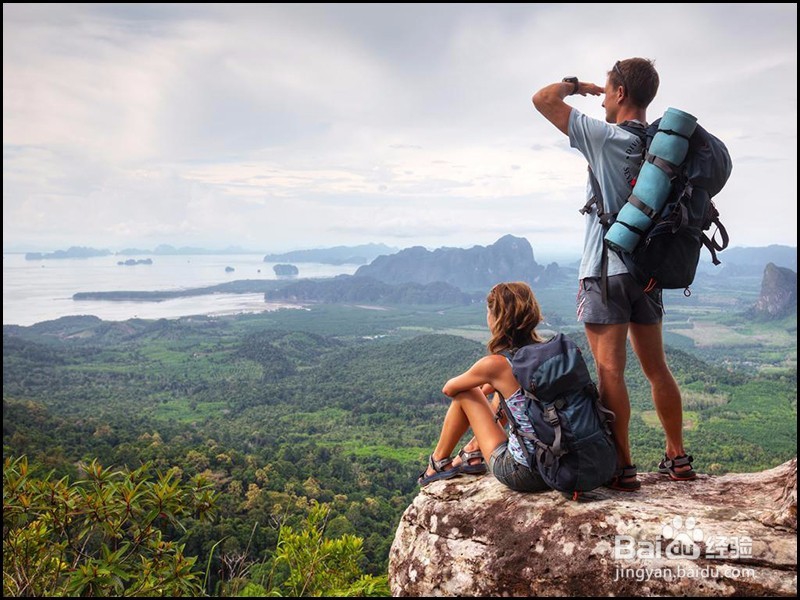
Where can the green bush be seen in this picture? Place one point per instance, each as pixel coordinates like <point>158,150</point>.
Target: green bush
<point>106,534</point>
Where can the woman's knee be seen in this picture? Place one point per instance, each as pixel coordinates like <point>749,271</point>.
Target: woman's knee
<point>473,394</point>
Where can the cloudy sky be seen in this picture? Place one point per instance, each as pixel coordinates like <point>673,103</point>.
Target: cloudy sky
<point>277,127</point>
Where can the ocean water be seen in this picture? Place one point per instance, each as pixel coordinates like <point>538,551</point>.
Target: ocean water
<point>41,290</point>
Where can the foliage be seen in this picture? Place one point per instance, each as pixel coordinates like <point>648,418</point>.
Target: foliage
<point>337,405</point>
<point>307,563</point>
<point>106,534</point>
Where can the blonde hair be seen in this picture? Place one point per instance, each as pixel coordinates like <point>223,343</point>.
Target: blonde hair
<point>515,313</point>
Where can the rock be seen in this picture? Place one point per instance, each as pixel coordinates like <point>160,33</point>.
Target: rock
<point>778,296</point>
<point>715,536</point>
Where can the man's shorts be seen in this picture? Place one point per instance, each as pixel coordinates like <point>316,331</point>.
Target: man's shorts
<point>627,302</point>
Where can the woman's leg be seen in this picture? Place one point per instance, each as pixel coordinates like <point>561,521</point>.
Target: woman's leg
<point>469,409</point>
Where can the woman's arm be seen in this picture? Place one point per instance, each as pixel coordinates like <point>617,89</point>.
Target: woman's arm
<point>483,372</point>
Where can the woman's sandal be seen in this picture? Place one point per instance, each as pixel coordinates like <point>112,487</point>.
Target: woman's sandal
<point>617,482</point>
<point>439,471</point>
<point>667,467</point>
<point>471,469</point>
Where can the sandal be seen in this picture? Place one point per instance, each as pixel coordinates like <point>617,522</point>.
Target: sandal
<point>667,467</point>
<point>439,471</point>
<point>474,469</point>
<point>617,483</point>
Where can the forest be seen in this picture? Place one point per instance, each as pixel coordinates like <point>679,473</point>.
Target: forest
<point>334,406</point>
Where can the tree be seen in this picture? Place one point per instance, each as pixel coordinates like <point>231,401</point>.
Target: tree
<point>103,535</point>
<point>307,563</point>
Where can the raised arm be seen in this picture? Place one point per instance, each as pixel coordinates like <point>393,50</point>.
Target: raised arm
<point>550,101</point>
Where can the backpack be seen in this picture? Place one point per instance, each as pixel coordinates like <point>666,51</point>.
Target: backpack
<point>667,254</point>
<point>575,450</point>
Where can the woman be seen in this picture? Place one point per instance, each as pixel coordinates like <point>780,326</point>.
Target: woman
<point>512,316</point>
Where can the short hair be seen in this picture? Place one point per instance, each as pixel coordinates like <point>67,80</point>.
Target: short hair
<point>639,78</point>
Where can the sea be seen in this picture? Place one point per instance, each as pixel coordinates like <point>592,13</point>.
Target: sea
<point>41,290</point>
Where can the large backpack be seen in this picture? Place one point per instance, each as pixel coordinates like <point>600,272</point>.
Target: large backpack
<point>668,253</point>
<point>572,430</point>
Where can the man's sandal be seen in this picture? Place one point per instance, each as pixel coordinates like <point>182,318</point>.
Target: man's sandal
<point>439,471</point>
<point>617,482</point>
<point>471,469</point>
<point>667,467</point>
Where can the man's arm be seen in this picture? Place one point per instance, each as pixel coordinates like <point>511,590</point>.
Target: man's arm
<point>550,101</point>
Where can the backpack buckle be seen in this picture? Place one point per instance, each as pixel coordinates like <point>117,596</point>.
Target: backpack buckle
<point>551,415</point>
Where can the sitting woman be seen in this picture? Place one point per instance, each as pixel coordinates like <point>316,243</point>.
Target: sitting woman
<point>512,316</point>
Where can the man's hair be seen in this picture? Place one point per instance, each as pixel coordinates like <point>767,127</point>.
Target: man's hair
<point>516,314</point>
<point>639,78</point>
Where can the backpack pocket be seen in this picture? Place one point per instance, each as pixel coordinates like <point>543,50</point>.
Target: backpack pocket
<point>597,461</point>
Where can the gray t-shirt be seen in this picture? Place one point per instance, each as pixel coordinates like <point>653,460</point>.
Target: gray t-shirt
<point>614,156</point>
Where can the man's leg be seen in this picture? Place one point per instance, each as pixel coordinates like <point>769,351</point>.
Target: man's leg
<point>648,345</point>
<point>608,348</point>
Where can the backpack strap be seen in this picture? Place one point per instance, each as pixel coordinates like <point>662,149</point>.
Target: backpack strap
<point>545,454</point>
<point>711,243</point>
<point>606,219</point>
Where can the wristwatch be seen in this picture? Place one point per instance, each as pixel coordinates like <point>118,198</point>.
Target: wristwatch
<point>575,84</point>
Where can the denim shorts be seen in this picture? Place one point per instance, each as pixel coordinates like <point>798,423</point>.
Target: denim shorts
<point>516,476</point>
<point>627,302</point>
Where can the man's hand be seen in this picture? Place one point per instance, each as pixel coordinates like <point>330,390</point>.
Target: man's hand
<point>589,88</point>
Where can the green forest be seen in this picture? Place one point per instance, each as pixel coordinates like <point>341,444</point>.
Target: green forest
<point>315,423</point>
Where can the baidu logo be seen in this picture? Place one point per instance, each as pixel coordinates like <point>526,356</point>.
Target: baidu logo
<point>680,538</point>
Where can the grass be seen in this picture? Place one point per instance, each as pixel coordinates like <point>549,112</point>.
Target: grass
<point>650,417</point>
<point>183,411</point>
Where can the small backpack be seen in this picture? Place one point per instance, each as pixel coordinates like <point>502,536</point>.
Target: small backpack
<point>667,254</point>
<point>575,450</point>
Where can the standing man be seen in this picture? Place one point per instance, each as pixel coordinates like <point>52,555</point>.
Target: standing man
<point>617,307</point>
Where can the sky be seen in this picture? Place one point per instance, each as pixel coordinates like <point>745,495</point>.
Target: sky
<point>278,127</point>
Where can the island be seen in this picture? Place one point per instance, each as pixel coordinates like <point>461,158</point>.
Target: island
<point>73,252</point>
<point>284,270</point>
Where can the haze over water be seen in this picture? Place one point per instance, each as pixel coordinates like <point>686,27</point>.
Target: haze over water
<point>41,290</point>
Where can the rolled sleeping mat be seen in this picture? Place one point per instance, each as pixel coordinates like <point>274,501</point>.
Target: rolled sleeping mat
<point>653,185</point>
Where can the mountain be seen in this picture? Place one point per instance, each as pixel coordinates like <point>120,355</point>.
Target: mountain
<point>338,255</point>
<point>73,252</point>
<point>741,261</point>
<point>478,268</point>
<point>778,296</point>
<point>348,289</point>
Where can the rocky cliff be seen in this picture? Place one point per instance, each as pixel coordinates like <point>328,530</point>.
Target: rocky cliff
<point>478,268</point>
<point>715,536</point>
<point>778,296</point>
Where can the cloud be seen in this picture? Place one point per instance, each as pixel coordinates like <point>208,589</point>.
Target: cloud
<point>314,125</point>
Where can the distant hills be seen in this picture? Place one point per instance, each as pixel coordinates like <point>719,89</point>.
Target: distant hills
<point>478,268</point>
<point>749,261</point>
<point>338,255</point>
<point>73,252</point>
<point>349,289</point>
<point>161,250</point>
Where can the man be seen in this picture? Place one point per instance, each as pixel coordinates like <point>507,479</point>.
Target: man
<point>619,307</point>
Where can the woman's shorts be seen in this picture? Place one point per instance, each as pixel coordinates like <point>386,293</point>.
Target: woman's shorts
<point>516,476</point>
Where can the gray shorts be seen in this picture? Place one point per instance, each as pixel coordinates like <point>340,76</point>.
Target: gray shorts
<point>627,302</point>
<point>512,474</point>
